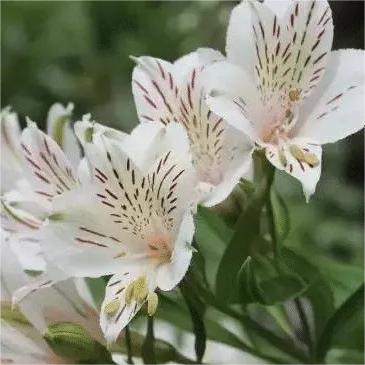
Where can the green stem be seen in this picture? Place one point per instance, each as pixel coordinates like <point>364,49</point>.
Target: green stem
<point>273,233</point>
<point>305,326</point>
<point>148,347</point>
<point>128,344</point>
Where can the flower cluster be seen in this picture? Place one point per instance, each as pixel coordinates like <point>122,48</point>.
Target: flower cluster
<point>86,200</point>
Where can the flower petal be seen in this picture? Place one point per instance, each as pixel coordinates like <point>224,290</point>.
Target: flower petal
<point>81,237</point>
<point>60,129</point>
<point>171,273</point>
<point>51,171</point>
<point>113,322</point>
<point>283,54</point>
<point>172,178</point>
<point>301,158</point>
<point>11,156</point>
<point>232,96</point>
<point>236,161</point>
<point>155,90</point>
<point>335,109</point>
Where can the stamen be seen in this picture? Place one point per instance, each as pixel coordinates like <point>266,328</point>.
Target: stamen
<point>152,303</point>
<point>282,158</point>
<point>297,152</point>
<point>112,307</point>
<point>311,159</point>
<point>294,95</point>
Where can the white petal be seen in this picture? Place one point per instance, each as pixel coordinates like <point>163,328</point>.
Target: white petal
<point>11,156</point>
<point>198,59</point>
<point>51,171</point>
<point>86,130</point>
<point>60,129</point>
<point>113,323</point>
<point>281,54</point>
<point>17,220</point>
<point>306,173</point>
<point>57,117</point>
<point>81,237</point>
<point>239,167</point>
<point>173,179</point>
<point>143,143</point>
<point>171,273</point>
<point>42,281</point>
<point>29,253</point>
<point>278,7</point>
<point>240,47</point>
<point>83,172</point>
<point>232,96</point>
<point>155,90</point>
<point>18,347</point>
<point>336,108</point>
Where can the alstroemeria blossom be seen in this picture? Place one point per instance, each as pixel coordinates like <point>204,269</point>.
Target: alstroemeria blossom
<point>42,171</point>
<point>134,221</point>
<point>283,87</point>
<point>167,92</point>
<point>22,331</point>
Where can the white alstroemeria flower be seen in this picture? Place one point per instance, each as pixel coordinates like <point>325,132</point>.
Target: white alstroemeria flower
<point>284,88</point>
<point>22,332</point>
<point>135,223</point>
<point>65,302</point>
<point>19,188</point>
<point>172,92</point>
<point>45,173</point>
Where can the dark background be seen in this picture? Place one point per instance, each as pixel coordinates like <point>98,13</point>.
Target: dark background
<point>78,51</point>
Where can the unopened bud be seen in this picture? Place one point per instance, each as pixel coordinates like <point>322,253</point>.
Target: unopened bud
<point>71,341</point>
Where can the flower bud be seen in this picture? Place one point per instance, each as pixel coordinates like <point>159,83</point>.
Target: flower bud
<point>71,341</point>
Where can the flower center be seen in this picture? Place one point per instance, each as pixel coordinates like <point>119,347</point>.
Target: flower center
<point>159,247</point>
<point>207,169</point>
<point>281,122</point>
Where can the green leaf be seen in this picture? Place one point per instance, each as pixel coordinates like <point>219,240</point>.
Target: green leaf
<point>281,289</point>
<point>71,341</point>
<point>238,250</point>
<point>258,283</point>
<point>347,323</point>
<point>173,310</point>
<point>97,289</point>
<point>280,216</point>
<point>318,291</point>
<point>189,288</point>
<point>344,356</point>
<point>246,239</point>
<point>212,236</point>
<point>248,288</point>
